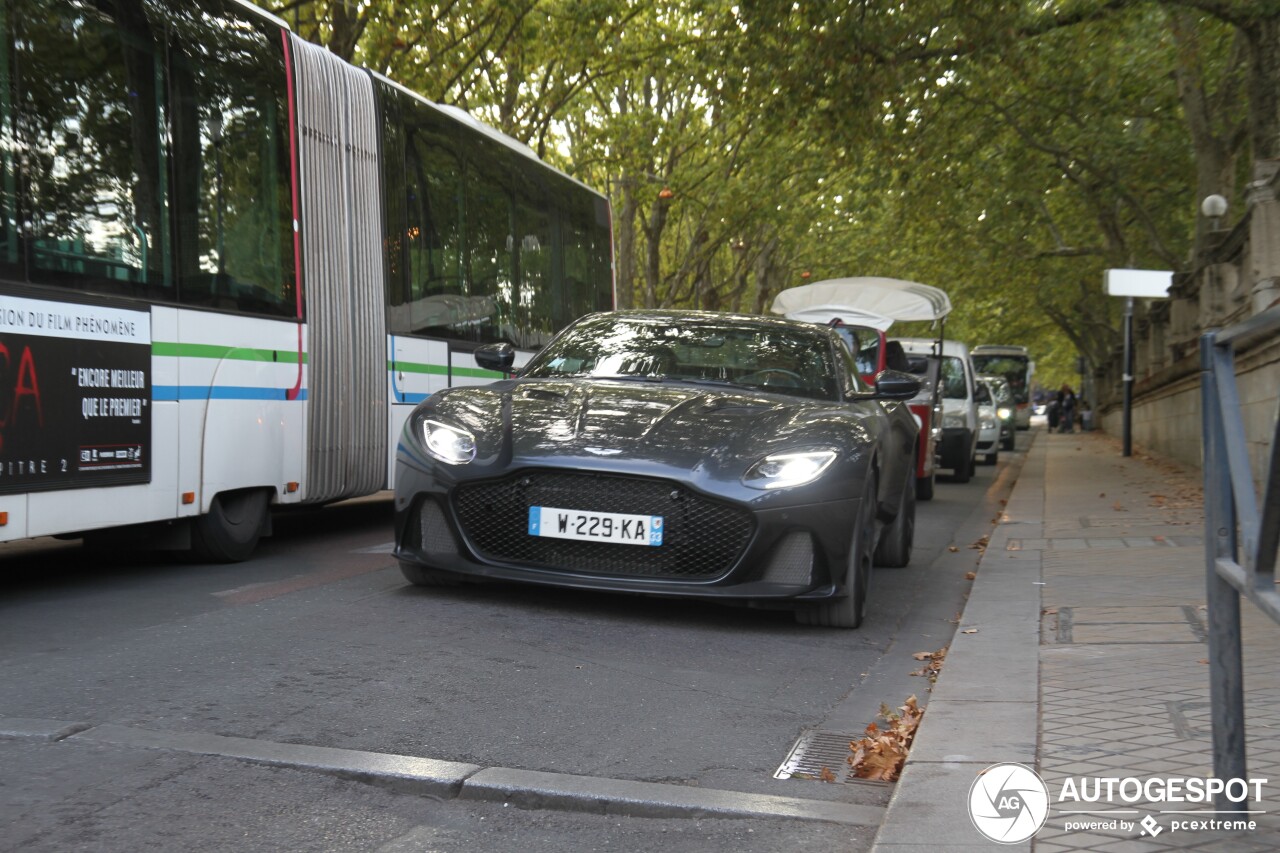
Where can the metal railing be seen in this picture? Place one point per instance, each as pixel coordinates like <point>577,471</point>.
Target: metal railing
<point>1241,536</point>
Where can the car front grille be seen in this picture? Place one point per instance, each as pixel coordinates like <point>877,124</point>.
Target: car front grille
<point>702,538</point>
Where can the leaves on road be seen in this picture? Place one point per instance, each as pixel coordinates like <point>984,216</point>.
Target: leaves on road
<point>880,754</point>
<point>934,665</point>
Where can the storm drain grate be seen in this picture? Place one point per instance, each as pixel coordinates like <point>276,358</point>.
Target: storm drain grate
<point>816,750</point>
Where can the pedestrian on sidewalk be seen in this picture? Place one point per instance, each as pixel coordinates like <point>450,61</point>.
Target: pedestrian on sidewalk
<point>1067,408</point>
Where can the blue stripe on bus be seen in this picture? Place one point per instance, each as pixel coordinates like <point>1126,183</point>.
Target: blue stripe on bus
<point>172,393</point>
<point>404,397</point>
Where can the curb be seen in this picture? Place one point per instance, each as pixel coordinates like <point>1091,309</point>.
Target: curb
<point>455,780</point>
<point>985,707</point>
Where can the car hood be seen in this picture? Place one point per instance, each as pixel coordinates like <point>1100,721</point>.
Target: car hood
<point>680,424</point>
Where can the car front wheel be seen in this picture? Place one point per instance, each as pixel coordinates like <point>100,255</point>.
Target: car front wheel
<point>849,611</point>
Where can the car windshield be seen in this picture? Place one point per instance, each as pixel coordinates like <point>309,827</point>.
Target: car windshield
<point>771,357</point>
<point>954,386</point>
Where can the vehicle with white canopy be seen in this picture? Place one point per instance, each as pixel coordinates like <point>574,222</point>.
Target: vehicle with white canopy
<point>865,307</point>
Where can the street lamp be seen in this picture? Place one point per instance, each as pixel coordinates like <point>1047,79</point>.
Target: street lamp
<point>1214,207</point>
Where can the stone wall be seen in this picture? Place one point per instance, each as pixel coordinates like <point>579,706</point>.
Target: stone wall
<point>1240,277</point>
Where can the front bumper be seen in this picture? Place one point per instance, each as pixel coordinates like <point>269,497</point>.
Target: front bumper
<point>760,555</point>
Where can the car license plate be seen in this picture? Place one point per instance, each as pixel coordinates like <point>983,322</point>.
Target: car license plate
<point>618,527</point>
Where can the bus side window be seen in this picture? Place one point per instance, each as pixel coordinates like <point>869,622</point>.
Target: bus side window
<point>87,123</point>
<point>232,198</point>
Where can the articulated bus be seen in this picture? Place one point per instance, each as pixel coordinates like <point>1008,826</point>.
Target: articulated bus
<point>230,264</point>
<point>1015,365</point>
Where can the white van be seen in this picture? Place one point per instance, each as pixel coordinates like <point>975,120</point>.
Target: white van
<point>958,449</point>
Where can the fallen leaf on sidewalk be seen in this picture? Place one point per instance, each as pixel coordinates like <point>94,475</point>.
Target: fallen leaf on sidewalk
<point>981,544</point>
<point>969,631</point>
<point>1118,507</point>
<point>970,576</point>
<point>1203,660</point>
<point>953,548</point>
<point>1102,494</point>
<point>826,775</point>
<point>1049,611</point>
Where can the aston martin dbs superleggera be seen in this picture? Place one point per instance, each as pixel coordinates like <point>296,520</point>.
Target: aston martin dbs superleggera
<point>716,456</point>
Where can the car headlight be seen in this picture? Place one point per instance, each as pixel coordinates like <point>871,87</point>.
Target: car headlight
<point>794,468</point>
<point>953,420</point>
<point>987,422</point>
<point>449,443</point>
<point>1005,413</point>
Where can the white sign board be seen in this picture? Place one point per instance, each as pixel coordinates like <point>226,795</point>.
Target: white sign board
<point>1148,284</point>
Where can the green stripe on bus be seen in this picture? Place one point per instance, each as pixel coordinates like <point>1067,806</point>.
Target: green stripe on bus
<point>414,367</point>
<point>178,350</point>
<point>440,370</point>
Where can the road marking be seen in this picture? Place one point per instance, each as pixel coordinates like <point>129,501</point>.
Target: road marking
<point>255,592</point>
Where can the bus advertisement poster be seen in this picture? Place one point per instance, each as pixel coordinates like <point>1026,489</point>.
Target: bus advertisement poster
<point>75,395</point>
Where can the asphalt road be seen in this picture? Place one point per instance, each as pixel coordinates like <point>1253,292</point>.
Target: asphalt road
<point>319,642</point>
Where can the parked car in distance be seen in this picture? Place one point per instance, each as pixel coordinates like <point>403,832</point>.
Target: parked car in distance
<point>1006,409</point>
<point>988,423</point>
<point>860,304</point>
<point>676,453</point>
<point>959,445</point>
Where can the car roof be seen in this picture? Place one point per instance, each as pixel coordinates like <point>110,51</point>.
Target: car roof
<point>671,315</point>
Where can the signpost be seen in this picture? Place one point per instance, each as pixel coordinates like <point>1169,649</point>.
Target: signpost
<point>1142,284</point>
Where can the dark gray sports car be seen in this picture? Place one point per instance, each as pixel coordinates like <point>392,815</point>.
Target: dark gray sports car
<point>717,456</point>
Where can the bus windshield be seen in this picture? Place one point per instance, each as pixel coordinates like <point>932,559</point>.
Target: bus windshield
<point>1015,368</point>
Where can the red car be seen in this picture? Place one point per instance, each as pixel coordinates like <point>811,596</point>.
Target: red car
<point>863,309</point>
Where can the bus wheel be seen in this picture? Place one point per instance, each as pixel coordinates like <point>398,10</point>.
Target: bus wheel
<point>229,532</point>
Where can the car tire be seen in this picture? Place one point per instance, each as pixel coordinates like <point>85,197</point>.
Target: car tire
<point>1007,444</point>
<point>894,550</point>
<point>423,576</point>
<point>924,487</point>
<point>991,458</point>
<point>849,611</point>
<point>964,471</point>
<point>230,530</point>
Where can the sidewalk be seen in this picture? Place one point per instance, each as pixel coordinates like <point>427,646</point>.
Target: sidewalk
<point>1082,654</point>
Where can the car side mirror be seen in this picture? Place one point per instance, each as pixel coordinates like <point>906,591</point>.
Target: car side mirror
<point>896,385</point>
<point>499,357</point>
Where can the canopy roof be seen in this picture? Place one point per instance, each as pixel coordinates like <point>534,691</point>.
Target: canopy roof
<point>865,301</point>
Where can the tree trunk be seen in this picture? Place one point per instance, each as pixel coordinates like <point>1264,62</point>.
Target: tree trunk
<point>624,226</point>
<point>1263,35</point>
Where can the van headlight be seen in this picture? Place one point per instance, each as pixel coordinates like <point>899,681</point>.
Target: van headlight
<point>794,468</point>
<point>953,420</point>
<point>1005,413</point>
<point>448,443</point>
